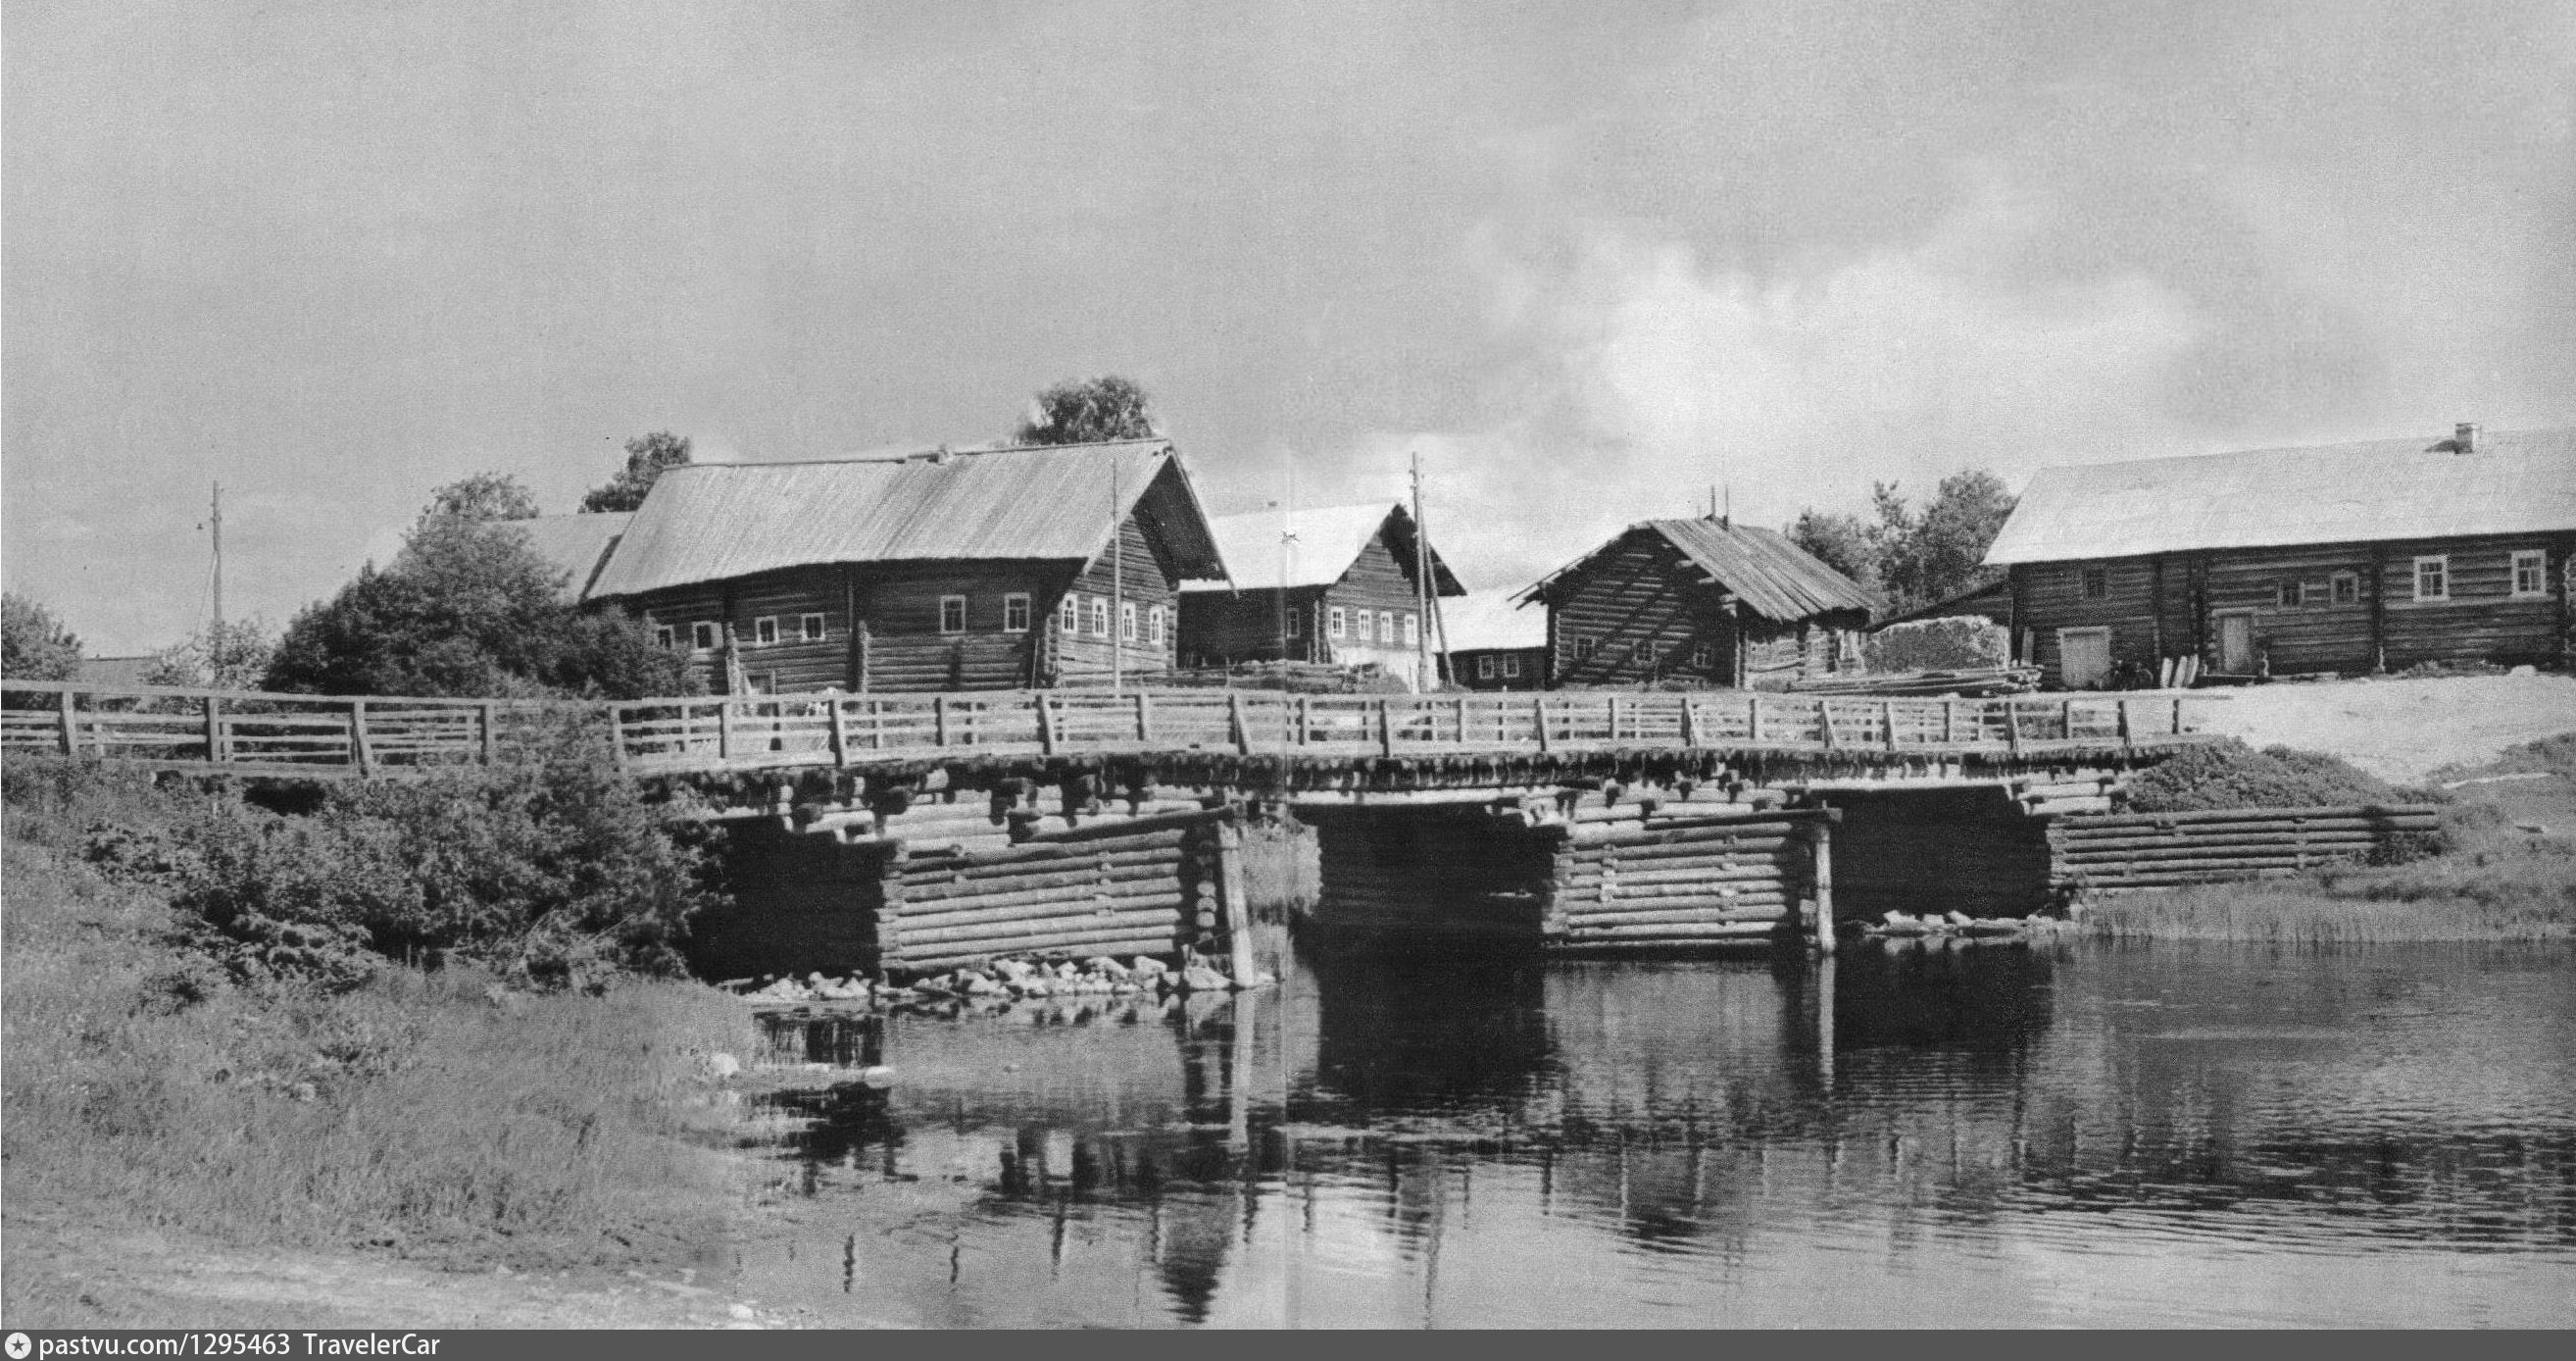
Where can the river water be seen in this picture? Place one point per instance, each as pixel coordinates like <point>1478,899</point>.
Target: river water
<point>2175,1134</point>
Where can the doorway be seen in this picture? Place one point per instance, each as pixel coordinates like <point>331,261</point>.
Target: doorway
<point>2083,658</point>
<point>2236,643</point>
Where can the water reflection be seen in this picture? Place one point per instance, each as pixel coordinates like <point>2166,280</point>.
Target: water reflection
<point>1997,1134</point>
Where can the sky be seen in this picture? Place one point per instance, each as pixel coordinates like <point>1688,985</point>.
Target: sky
<point>1588,261</point>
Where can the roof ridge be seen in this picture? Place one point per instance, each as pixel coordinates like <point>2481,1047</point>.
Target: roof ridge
<point>918,456</point>
<point>2433,445</point>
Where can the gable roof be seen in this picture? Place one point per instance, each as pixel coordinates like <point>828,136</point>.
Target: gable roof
<point>710,521</point>
<point>579,544</point>
<point>1329,540</point>
<point>1773,577</point>
<point>2516,482</point>
<point>1485,620</point>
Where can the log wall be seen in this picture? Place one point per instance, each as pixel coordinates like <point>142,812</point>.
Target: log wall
<point>2093,852</point>
<point>1684,875</point>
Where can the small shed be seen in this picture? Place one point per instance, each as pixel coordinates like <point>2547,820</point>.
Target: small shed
<point>1333,584</point>
<point>939,570</point>
<point>1495,642</point>
<point>1702,601</point>
<point>2343,558</point>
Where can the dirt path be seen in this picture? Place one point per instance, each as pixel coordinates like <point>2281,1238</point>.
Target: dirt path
<point>2401,730</point>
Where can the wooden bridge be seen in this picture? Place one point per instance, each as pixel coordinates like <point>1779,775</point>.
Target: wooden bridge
<point>310,736</point>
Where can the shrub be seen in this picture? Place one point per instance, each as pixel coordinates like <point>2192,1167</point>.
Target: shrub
<point>2231,774</point>
<point>1962,642</point>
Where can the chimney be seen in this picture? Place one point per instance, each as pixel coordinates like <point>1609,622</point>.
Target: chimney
<point>2464,438</point>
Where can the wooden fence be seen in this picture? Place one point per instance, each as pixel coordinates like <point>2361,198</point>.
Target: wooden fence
<point>261,733</point>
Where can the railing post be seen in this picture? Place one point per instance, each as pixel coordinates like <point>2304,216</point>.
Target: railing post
<point>1385,728</point>
<point>1888,709</point>
<point>1690,724</point>
<point>2066,719</point>
<point>362,753</point>
<point>1305,721</point>
<point>1144,718</point>
<point>1752,718</point>
<point>1235,726</point>
<point>1949,722</point>
<point>2177,716</point>
<point>1541,704</point>
<point>617,735</point>
<point>1462,720</point>
<point>214,729</point>
<point>1614,720</point>
<point>939,720</point>
<point>492,731</point>
<point>2012,725</point>
<point>71,733</point>
<point>840,732</point>
<point>1825,720</point>
<point>2127,739</point>
<point>724,728</point>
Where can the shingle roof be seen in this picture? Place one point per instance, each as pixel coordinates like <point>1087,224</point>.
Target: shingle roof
<point>1775,578</point>
<point>2516,482</point>
<point>1329,539</point>
<point>710,521</point>
<point>1492,619</point>
<point>579,544</point>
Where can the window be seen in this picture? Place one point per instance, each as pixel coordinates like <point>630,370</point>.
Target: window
<point>1412,629</point>
<point>2292,594</point>
<point>1337,626</point>
<point>764,630</point>
<point>2433,578</point>
<point>2531,572</point>
<point>810,627</point>
<point>1015,612</point>
<point>1704,657</point>
<point>1485,667</point>
<point>2344,589</point>
<point>1583,647</point>
<point>1100,616</point>
<point>1511,666</point>
<point>1386,627</point>
<point>952,614</point>
<point>1154,626</point>
<point>1068,615</point>
<point>1126,621</point>
<point>665,636</point>
<point>2097,583</point>
<point>702,636</point>
<point>1296,623</point>
<point>1368,626</point>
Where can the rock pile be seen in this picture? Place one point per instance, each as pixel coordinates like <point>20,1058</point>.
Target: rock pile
<point>1012,980</point>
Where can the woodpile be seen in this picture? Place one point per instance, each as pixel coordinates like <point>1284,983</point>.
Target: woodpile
<point>1977,683</point>
<point>2165,850</point>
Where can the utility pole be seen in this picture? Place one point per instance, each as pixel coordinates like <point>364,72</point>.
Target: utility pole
<point>1117,587</point>
<point>1422,591</point>
<point>216,523</point>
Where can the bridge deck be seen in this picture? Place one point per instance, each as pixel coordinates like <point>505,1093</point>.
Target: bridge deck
<point>255,733</point>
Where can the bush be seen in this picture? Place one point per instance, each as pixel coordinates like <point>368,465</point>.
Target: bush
<point>1962,642</point>
<point>2230,774</point>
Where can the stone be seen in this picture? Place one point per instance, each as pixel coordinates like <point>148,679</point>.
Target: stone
<point>1012,970</point>
<point>2526,669</point>
<point>1036,987</point>
<point>977,985</point>
<point>1067,971</point>
<point>1148,966</point>
<point>1200,978</point>
<point>1107,967</point>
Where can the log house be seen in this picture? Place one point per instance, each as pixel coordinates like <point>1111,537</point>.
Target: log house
<point>1702,601</point>
<point>1344,591</point>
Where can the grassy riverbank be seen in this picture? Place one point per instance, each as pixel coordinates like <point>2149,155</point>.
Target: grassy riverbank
<point>2498,878</point>
<point>439,1116</point>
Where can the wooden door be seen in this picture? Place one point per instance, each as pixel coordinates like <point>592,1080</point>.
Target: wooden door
<point>2083,658</point>
<point>2236,644</point>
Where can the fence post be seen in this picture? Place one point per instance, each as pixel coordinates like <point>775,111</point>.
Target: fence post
<point>1825,720</point>
<point>1752,718</point>
<point>1235,726</point>
<point>2066,719</point>
<point>1541,704</point>
<point>1462,720</point>
<point>1385,728</point>
<point>724,729</point>
<point>2012,725</point>
<point>1305,721</point>
<point>840,733</point>
<point>1144,718</point>
<point>2126,737</point>
<point>214,729</point>
<point>1614,720</point>
<point>362,753</point>
<point>939,720</point>
<point>1888,709</point>
<point>491,731</point>
<point>1690,724</point>
<point>2177,716</point>
<point>71,732</point>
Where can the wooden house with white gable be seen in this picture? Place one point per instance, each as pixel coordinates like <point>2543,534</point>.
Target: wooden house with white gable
<point>1338,584</point>
<point>967,570</point>
<point>2342,558</point>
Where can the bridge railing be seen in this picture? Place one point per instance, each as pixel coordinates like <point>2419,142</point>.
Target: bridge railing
<point>256,732</point>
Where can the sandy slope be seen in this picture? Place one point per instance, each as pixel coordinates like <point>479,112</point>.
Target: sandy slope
<point>2400,730</point>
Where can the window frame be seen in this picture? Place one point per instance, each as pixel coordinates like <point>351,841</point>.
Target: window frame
<point>1485,667</point>
<point>1068,614</point>
<point>1367,622</point>
<point>2094,581</point>
<point>944,602</point>
<point>2291,594</point>
<point>1157,631</point>
<point>1386,627</point>
<point>764,631</point>
<point>812,628</point>
<point>1340,622</point>
<point>2343,588</point>
<point>1511,666</point>
<point>2441,565</point>
<point>666,637</point>
<point>706,630</point>
<point>1016,601</point>
<point>1412,624</point>
<point>1127,621</point>
<point>1704,655</point>
<point>1099,616</point>
<point>2538,560</point>
<point>1297,623</point>
<point>1584,646</point>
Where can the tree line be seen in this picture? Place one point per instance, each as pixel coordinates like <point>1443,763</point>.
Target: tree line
<point>1907,557</point>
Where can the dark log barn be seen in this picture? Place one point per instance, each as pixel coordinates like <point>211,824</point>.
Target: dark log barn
<point>1705,601</point>
<point>1343,590</point>
<point>1495,642</point>
<point>969,570</point>
<point>2348,559</point>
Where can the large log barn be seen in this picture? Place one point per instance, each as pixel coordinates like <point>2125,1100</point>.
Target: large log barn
<point>1701,601</point>
<point>1344,589</point>
<point>989,569</point>
<point>2345,558</point>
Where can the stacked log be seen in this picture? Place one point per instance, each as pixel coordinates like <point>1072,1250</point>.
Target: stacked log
<point>1938,850</point>
<point>2061,795</point>
<point>1105,888</point>
<point>2166,850</point>
<point>1686,875</point>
